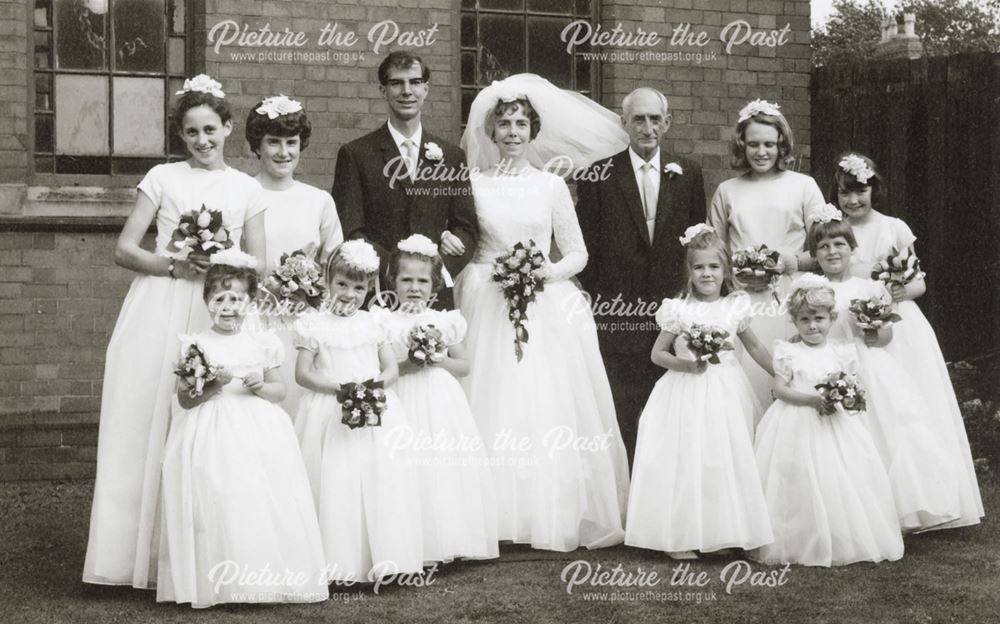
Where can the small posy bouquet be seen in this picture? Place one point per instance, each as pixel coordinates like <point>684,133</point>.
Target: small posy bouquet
<point>706,342</point>
<point>195,370</point>
<point>362,403</point>
<point>515,273</point>
<point>297,281</point>
<point>899,267</point>
<point>425,344</point>
<point>873,314</point>
<point>842,393</point>
<point>200,233</point>
<point>757,267</point>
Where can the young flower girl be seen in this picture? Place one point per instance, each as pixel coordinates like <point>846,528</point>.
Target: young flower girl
<point>695,484</point>
<point>239,523</point>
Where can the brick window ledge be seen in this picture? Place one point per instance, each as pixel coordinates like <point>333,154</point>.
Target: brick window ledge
<point>64,208</point>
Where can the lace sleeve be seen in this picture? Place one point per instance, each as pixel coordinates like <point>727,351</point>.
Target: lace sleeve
<point>566,229</point>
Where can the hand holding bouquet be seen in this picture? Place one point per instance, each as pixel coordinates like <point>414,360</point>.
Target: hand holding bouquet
<point>841,393</point>
<point>873,314</point>
<point>195,370</point>
<point>200,233</point>
<point>362,403</point>
<point>426,345</point>
<point>899,267</point>
<point>756,268</point>
<point>296,283</point>
<point>706,342</point>
<point>516,273</point>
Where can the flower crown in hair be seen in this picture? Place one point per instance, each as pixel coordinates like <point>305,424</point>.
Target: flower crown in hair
<point>857,167</point>
<point>810,280</point>
<point>418,244</point>
<point>693,231</point>
<point>826,214</point>
<point>360,255</point>
<point>278,105</point>
<point>233,257</point>
<point>506,94</point>
<point>202,83</point>
<point>759,107</point>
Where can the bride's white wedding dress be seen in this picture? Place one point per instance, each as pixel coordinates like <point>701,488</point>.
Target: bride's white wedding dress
<point>548,422</point>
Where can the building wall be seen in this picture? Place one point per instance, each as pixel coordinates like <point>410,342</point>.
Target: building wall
<point>60,291</point>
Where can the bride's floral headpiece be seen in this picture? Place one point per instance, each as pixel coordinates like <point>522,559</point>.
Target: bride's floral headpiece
<point>204,84</point>
<point>506,94</point>
<point>693,231</point>
<point>418,244</point>
<point>759,107</point>
<point>360,255</point>
<point>857,167</point>
<point>233,257</point>
<point>278,105</point>
<point>826,214</point>
<point>810,280</point>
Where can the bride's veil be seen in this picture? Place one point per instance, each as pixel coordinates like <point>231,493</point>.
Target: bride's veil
<point>575,130</point>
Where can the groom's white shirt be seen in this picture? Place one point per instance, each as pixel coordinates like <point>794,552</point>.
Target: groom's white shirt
<point>398,138</point>
<point>655,172</point>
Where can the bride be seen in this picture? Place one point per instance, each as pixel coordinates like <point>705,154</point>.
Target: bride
<point>547,418</point>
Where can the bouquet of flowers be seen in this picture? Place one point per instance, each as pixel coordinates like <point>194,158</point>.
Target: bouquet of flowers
<point>425,344</point>
<point>899,267</point>
<point>842,392</point>
<point>196,371</point>
<point>296,283</point>
<point>756,267</point>
<point>200,233</point>
<point>362,403</point>
<point>706,342</point>
<point>873,314</point>
<point>515,272</point>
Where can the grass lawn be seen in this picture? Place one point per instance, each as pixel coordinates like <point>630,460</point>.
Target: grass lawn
<point>947,576</point>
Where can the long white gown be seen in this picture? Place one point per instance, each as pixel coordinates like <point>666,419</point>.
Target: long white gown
<point>548,421</point>
<point>914,342</point>
<point>138,393</point>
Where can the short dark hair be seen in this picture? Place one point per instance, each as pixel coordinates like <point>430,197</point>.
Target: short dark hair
<point>502,108</point>
<point>222,276</point>
<point>401,59</point>
<point>193,99</point>
<point>287,125</point>
<point>437,279</point>
<point>846,181</point>
<point>831,229</point>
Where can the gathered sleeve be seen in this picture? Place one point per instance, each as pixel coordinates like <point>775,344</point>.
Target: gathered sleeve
<point>303,336</point>
<point>566,229</point>
<point>782,360</point>
<point>453,327</point>
<point>902,235</point>
<point>741,310</point>
<point>274,351</point>
<point>668,316</point>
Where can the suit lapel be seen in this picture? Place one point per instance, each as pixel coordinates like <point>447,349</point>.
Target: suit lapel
<point>668,207</point>
<point>389,151</point>
<point>625,176</point>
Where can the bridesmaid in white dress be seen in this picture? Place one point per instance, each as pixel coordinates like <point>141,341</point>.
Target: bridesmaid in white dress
<point>767,205</point>
<point>858,189</point>
<point>299,216</point>
<point>548,420</point>
<point>163,301</point>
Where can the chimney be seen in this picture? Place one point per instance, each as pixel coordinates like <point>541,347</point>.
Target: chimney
<point>895,45</point>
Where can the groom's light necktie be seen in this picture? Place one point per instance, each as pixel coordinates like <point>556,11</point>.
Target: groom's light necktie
<point>410,156</point>
<point>649,198</point>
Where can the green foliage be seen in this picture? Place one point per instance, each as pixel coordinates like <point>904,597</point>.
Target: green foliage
<point>851,32</point>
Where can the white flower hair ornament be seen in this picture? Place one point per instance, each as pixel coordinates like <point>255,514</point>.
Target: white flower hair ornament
<point>233,257</point>
<point>278,105</point>
<point>203,83</point>
<point>810,280</point>
<point>505,94</point>
<point>360,255</point>
<point>418,244</point>
<point>826,214</point>
<point>759,107</point>
<point>857,167</point>
<point>693,231</point>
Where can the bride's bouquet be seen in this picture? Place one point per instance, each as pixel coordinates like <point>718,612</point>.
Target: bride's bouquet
<point>899,267</point>
<point>842,393</point>
<point>756,267</point>
<point>296,283</point>
<point>425,344</point>
<point>873,314</point>
<point>707,342</point>
<point>515,273</point>
<point>362,404</point>
<point>195,370</point>
<point>200,233</point>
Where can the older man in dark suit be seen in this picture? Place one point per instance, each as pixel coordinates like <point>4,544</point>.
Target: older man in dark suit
<point>631,222</point>
<point>401,180</point>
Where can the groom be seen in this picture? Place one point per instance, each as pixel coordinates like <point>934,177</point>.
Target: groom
<point>385,187</point>
<point>631,223</point>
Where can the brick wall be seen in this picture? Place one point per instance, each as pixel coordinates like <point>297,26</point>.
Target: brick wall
<point>13,90</point>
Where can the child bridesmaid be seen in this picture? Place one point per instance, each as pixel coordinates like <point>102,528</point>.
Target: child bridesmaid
<point>859,190</point>
<point>922,472</point>
<point>695,485</point>
<point>827,491</point>
<point>365,490</point>
<point>163,301</point>
<point>236,499</point>
<point>456,488</point>
<point>298,216</point>
<point>769,205</point>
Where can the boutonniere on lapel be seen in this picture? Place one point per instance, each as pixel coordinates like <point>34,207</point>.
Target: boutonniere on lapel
<point>673,169</point>
<point>432,151</point>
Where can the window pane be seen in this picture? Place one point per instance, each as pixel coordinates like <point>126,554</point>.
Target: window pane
<point>138,105</point>
<point>468,68</point>
<point>507,5</point>
<point>467,96</point>
<point>43,50</point>
<point>583,8</point>
<point>81,114</point>
<point>83,164</point>
<point>126,166</point>
<point>547,54</point>
<point>176,62</point>
<point>176,16</point>
<point>139,35</point>
<point>45,164</point>
<point>42,14</point>
<point>468,29</point>
<point>501,47</point>
<point>43,91</point>
<point>43,133</point>
<point>82,26</point>
<point>552,6</point>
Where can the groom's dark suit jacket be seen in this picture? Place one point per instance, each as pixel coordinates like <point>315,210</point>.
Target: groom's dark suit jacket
<point>370,209</point>
<point>623,263</point>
